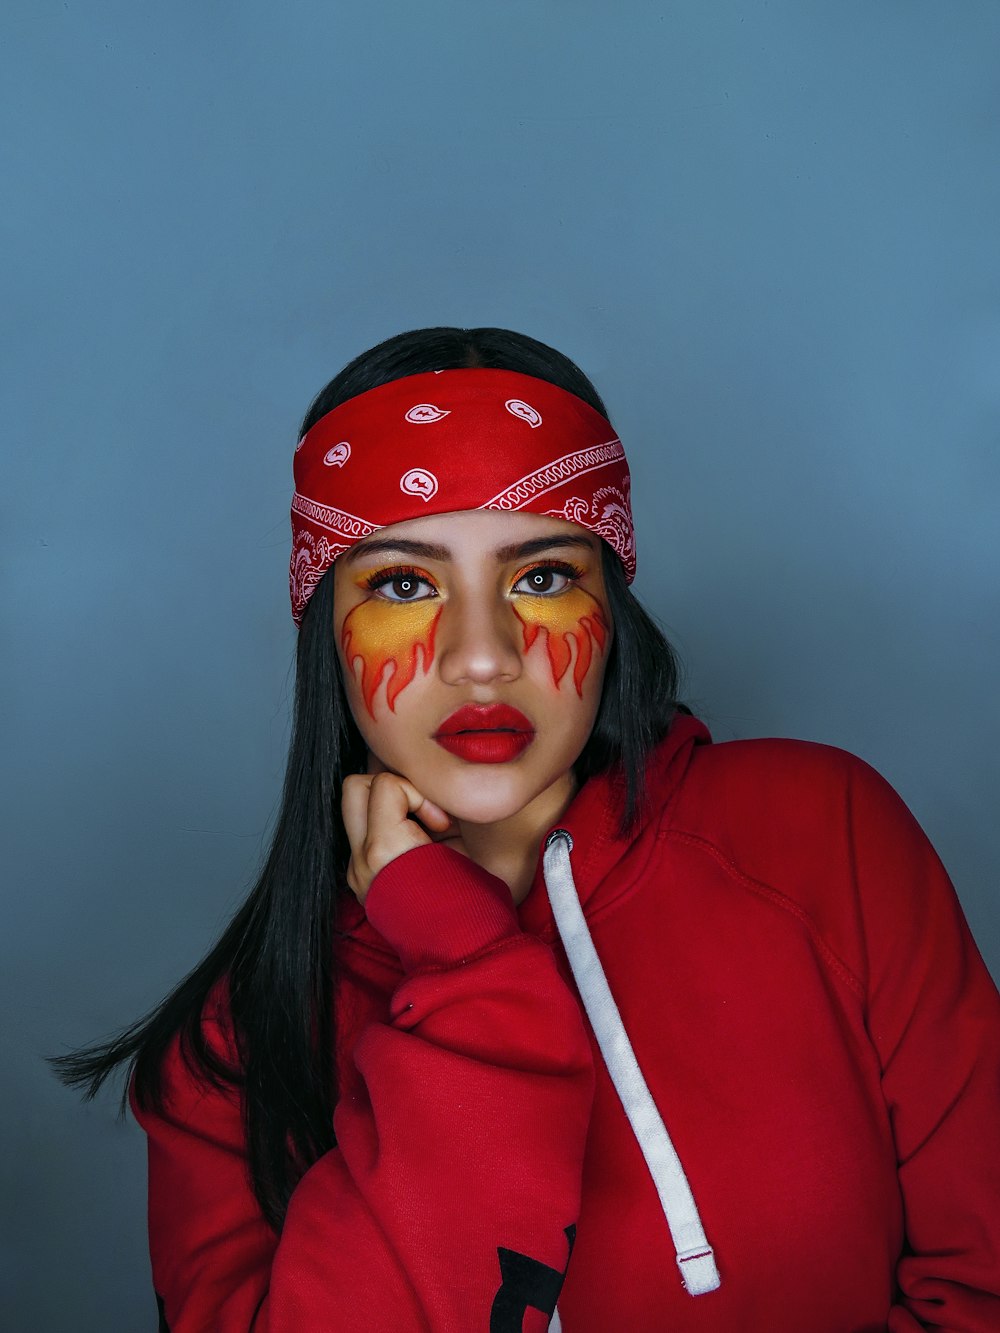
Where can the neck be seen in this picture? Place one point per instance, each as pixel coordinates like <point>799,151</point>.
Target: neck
<point>509,848</point>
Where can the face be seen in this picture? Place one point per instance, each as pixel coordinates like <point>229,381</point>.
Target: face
<point>475,607</point>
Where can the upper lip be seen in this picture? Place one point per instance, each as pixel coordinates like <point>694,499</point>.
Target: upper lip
<point>484,717</point>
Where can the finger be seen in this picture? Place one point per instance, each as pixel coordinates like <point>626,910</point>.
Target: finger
<point>436,816</point>
<point>354,809</point>
<point>428,811</point>
<point>390,799</point>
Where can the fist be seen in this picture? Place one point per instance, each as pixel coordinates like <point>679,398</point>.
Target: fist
<point>377,809</point>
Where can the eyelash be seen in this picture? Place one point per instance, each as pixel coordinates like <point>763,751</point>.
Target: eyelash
<point>384,576</point>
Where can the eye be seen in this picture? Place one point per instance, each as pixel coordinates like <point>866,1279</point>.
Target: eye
<point>540,579</point>
<point>406,581</point>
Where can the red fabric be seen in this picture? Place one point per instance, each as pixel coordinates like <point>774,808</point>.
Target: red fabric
<point>809,1011</point>
<point>449,440</point>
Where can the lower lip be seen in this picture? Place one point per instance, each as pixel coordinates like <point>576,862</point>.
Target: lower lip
<point>487,747</point>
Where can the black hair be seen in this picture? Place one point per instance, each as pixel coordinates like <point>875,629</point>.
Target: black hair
<point>277,957</point>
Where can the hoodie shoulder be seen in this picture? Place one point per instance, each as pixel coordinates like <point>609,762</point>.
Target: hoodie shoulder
<point>732,785</point>
<point>777,814</point>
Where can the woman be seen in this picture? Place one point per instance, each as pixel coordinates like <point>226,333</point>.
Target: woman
<point>541,996</point>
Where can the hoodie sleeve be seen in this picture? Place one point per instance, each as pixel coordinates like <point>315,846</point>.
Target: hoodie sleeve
<point>451,1199</point>
<point>934,1018</point>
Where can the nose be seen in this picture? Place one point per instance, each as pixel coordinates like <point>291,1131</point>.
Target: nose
<point>478,640</point>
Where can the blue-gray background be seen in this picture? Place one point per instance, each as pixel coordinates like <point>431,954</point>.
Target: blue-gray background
<point>767,231</point>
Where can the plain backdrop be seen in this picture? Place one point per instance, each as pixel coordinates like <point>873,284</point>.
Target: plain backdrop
<point>768,231</point>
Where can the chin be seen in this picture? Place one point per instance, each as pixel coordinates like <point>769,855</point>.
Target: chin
<point>488,793</point>
<point>485,812</point>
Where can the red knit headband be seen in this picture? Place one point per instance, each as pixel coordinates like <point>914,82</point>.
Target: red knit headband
<point>448,440</point>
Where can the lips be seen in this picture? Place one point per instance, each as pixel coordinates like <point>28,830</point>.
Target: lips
<point>486,733</point>
<point>484,717</point>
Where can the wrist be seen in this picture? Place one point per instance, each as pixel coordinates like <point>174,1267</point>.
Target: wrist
<point>436,907</point>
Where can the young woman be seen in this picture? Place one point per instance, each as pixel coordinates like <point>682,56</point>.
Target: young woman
<point>542,997</point>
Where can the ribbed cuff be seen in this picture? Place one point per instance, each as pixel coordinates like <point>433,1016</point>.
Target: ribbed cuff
<point>437,907</point>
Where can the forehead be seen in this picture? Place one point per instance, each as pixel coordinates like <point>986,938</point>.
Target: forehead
<point>477,530</point>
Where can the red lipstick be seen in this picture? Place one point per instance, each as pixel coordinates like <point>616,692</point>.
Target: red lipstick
<point>485,733</point>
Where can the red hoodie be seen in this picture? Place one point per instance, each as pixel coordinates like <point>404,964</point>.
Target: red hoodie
<point>763,1063</point>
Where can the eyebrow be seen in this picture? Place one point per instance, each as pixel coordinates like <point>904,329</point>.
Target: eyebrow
<point>431,551</point>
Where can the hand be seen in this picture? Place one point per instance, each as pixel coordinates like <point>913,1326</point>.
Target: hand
<point>377,809</point>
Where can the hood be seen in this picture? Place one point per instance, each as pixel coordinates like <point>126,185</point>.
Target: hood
<point>592,819</point>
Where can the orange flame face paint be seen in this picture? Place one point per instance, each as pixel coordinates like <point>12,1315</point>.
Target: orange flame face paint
<point>381,632</point>
<point>574,617</point>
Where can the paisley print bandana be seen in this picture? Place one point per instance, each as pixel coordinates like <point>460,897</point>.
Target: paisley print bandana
<point>448,440</point>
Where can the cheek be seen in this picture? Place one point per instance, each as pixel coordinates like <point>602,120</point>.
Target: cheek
<point>576,618</point>
<point>381,634</point>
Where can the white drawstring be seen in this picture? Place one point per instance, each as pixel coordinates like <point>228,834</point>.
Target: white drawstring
<point>695,1258</point>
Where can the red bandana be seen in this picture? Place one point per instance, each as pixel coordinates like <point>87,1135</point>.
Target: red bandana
<point>449,440</point>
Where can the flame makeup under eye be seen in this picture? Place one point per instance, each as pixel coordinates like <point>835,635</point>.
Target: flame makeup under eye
<point>576,618</point>
<point>386,635</point>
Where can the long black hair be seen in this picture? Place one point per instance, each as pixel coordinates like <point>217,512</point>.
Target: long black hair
<point>277,955</point>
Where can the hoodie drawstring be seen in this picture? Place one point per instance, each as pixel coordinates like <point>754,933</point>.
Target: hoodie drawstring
<point>695,1257</point>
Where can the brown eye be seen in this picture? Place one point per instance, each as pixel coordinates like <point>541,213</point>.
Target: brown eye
<point>404,582</point>
<point>548,580</point>
<point>405,585</point>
